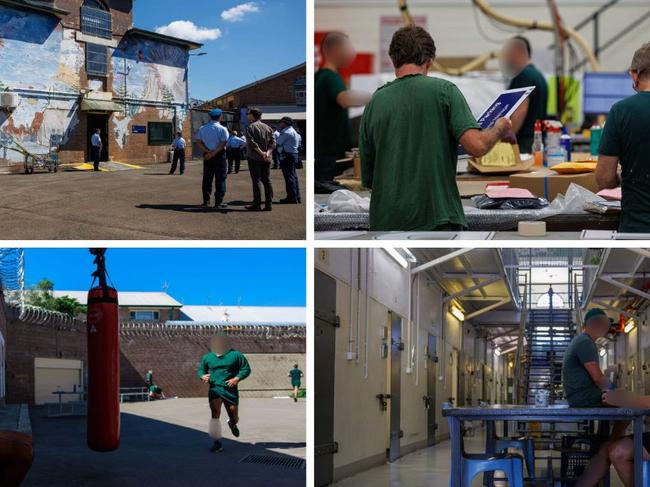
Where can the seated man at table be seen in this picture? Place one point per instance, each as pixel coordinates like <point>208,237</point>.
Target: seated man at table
<point>582,380</point>
<point>617,451</point>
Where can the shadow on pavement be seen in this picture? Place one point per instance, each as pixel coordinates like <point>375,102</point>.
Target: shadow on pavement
<point>189,208</point>
<point>151,453</point>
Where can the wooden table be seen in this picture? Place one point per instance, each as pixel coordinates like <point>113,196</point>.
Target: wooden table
<point>549,414</point>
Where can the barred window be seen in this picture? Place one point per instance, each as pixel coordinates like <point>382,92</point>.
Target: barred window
<point>96,60</point>
<point>96,20</point>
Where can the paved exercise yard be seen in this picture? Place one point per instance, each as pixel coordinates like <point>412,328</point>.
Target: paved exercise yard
<point>139,204</point>
<point>164,443</point>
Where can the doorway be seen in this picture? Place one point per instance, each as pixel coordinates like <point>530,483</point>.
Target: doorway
<point>395,385</point>
<point>432,374</point>
<point>97,121</point>
<point>324,348</point>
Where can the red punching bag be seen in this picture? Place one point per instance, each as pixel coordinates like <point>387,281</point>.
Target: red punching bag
<point>103,429</point>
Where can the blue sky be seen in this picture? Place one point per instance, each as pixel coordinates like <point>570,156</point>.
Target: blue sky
<point>262,277</point>
<point>245,41</point>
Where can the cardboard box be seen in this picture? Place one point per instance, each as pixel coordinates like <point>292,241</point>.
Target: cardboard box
<point>545,183</point>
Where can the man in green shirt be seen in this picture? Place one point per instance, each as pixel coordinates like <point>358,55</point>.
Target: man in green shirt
<point>149,377</point>
<point>332,98</point>
<point>223,369</point>
<point>409,139</point>
<point>626,142</point>
<point>296,375</point>
<point>582,380</point>
<point>516,63</point>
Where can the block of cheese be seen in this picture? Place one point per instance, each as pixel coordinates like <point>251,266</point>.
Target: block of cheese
<point>501,155</point>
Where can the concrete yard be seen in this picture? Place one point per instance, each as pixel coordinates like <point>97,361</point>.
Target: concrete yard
<point>165,443</point>
<point>139,204</point>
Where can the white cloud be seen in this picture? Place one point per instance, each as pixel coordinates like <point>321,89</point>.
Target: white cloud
<point>237,13</point>
<point>187,30</point>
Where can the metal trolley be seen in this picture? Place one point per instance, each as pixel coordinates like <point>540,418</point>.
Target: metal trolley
<point>48,161</point>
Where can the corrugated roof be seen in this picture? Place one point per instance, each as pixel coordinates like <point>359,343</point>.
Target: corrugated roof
<point>126,298</point>
<point>267,315</point>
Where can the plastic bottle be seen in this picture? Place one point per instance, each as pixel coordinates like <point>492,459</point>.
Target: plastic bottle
<point>538,145</point>
<point>596,134</point>
<point>555,153</point>
<point>565,140</point>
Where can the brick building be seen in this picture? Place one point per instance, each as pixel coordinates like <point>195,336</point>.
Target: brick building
<point>283,93</point>
<point>45,351</point>
<point>138,306</point>
<point>68,67</point>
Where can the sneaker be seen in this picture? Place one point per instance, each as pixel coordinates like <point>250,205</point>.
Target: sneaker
<point>221,206</point>
<point>234,429</point>
<point>217,447</point>
<point>254,208</point>
<point>295,399</point>
<point>268,207</point>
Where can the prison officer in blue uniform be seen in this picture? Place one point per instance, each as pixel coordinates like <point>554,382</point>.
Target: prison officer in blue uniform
<point>96,148</point>
<point>288,143</point>
<point>212,138</point>
<point>179,153</point>
<point>233,151</point>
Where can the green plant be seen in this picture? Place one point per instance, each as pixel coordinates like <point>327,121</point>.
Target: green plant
<point>42,296</point>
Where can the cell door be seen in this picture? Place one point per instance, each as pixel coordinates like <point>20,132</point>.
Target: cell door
<point>395,385</point>
<point>430,400</point>
<point>324,348</point>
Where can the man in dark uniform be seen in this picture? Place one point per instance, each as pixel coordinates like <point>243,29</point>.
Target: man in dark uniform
<point>179,153</point>
<point>223,368</point>
<point>516,63</point>
<point>212,138</point>
<point>625,141</point>
<point>288,143</point>
<point>96,146</point>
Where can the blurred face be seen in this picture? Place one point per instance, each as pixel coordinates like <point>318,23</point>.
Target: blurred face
<point>513,59</point>
<point>250,118</point>
<point>598,326</point>
<point>342,55</point>
<point>219,345</point>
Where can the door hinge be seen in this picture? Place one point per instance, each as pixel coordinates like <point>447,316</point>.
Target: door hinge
<point>330,318</point>
<point>326,449</point>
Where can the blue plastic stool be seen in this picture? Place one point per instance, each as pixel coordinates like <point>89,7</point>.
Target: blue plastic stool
<point>474,464</point>
<point>646,473</point>
<point>526,445</point>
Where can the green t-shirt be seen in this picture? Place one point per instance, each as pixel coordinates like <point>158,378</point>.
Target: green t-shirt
<point>531,76</point>
<point>295,374</point>
<point>579,389</point>
<point>222,368</point>
<point>331,121</point>
<point>627,136</point>
<point>409,151</point>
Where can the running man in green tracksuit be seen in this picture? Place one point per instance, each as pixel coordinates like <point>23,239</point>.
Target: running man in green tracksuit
<point>223,368</point>
<point>296,375</point>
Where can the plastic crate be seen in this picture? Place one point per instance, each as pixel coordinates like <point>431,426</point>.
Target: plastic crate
<point>573,463</point>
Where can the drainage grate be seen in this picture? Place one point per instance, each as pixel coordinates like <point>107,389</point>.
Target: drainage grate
<point>275,461</point>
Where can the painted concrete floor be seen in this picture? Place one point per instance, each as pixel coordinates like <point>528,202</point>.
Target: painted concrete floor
<point>429,467</point>
<point>140,204</point>
<point>164,443</point>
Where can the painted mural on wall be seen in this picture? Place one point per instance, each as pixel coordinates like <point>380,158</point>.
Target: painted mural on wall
<point>40,60</point>
<point>149,71</point>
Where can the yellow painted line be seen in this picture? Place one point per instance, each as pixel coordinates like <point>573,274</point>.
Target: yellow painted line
<point>88,167</point>
<point>132,166</point>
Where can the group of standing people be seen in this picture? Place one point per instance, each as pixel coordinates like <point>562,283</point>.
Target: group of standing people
<point>222,155</point>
